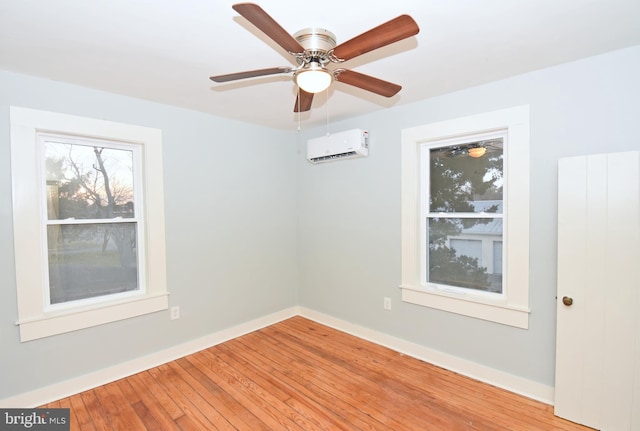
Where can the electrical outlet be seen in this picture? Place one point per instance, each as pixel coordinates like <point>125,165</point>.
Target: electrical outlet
<point>387,303</point>
<point>175,312</point>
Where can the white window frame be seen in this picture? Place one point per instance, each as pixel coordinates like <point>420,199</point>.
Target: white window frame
<point>512,307</point>
<point>36,319</point>
<point>425,159</point>
<point>137,219</point>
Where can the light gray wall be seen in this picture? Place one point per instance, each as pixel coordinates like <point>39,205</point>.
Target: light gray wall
<point>349,211</point>
<point>230,232</point>
<point>253,228</point>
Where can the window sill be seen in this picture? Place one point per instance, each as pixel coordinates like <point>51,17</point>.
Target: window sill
<point>493,311</point>
<point>72,320</point>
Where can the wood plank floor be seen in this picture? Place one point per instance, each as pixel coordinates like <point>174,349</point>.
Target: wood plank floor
<point>300,375</point>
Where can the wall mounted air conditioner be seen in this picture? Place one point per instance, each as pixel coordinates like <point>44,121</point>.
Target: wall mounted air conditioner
<point>338,146</point>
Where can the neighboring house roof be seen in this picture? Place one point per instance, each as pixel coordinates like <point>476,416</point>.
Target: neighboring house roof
<point>494,226</point>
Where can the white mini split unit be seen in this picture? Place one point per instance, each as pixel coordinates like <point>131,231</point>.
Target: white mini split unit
<point>338,146</point>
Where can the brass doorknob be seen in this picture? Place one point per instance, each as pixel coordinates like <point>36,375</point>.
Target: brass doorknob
<point>568,301</point>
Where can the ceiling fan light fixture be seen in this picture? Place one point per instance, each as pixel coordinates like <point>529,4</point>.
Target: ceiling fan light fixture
<point>476,152</point>
<point>313,79</point>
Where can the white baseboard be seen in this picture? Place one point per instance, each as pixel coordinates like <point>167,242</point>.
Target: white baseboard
<point>70,387</point>
<point>518,385</point>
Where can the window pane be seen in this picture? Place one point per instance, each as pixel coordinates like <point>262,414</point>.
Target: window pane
<point>462,253</point>
<point>467,177</point>
<point>88,182</point>
<point>91,260</point>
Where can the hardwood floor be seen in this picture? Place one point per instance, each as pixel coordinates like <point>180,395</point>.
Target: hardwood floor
<point>300,375</point>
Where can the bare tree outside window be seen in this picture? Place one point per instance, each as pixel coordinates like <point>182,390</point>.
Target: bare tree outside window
<point>92,225</point>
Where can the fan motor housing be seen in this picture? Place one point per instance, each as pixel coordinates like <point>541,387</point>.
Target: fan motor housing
<point>316,41</point>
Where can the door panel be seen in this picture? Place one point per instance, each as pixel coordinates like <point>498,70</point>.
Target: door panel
<point>598,336</point>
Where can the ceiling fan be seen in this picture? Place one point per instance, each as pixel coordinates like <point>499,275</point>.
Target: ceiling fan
<point>313,49</point>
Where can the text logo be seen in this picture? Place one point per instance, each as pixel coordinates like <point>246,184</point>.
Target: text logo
<point>34,419</point>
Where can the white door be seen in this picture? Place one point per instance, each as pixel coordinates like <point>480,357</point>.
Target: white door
<point>598,324</point>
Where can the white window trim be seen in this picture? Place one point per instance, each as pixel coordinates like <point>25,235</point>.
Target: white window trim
<point>512,308</point>
<point>30,258</point>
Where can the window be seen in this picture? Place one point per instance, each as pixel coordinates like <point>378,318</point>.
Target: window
<point>465,216</point>
<point>88,221</point>
<point>462,210</point>
<point>93,218</point>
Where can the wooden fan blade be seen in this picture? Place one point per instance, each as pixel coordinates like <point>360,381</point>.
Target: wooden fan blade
<point>303,101</point>
<point>366,82</point>
<point>258,17</point>
<point>392,31</point>
<point>250,74</point>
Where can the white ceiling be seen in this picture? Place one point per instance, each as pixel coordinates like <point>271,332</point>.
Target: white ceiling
<point>165,50</point>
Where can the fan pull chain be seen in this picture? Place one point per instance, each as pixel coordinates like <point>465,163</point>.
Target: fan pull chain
<point>326,110</point>
<point>298,100</point>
